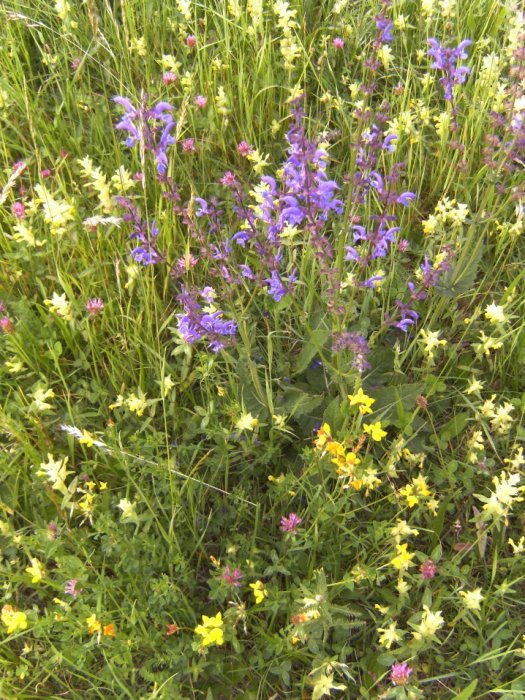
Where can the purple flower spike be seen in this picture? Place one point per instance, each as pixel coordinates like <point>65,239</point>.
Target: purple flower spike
<point>447,60</point>
<point>148,127</point>
<point>405,198</point>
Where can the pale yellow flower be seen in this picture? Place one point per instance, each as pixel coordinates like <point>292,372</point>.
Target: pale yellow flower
<point>401,530</point>
<point>129,513</point>
<point>430,623</point>
<point>495,313</point>
<point>246,422</point>
<point>389,635</point>
<point>136,404</point>
<point>472,599</point>
<point>40,397</point>
<point>55,472</point>
<point>59,305</point>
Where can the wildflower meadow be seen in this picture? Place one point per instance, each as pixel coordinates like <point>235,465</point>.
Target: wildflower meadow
<point>262,347</point>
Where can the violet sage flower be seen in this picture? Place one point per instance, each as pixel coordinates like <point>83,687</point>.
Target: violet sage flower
<point>447,60</point>
<point>149,127</point>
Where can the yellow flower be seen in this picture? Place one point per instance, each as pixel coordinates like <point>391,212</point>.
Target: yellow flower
<point>495,313</point>
<point>259,591</point>
<point>416,490</point>
<point>403,559</point>
<point>211,630</point>
<point>429,625</point>
<point>518,548</point>
<point>474,386</point>
<point>136,404</point>
<point>13,619</point>
<point>87,439</point>
<point>40,397</point>
<point>166,385</point>
<point>324,434</point>
<point>389,635</point>
<point>128,511</point>
<point>362,400</point>
<point>430,342</point>
<point>375,431</point>
<point>472,599</point>
<point>59,305</point>
<point>93,624</point>
<point>346,461</point>
<point>57,213</point>
<point>14,366</point>
<point>36,570</point>
<point>385,55</point>
<point>279,421</point>
<point>139,46</point>
<point>486,344</point>
<point>402,529</point>
<point>246,422</point>
<point>55,472</point>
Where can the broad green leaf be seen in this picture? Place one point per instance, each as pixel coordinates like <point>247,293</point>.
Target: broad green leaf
<point>467,692</point>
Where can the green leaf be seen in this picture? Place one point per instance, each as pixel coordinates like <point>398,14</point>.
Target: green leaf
<point>461,277</point>
<point>454,426</point>
<point>295,402</point>
<point>310,349</point>
<point>467,692</point>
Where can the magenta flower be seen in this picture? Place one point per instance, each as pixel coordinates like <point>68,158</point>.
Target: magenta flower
<point>94,306</point>
<point>229,179</point>
<point>52,531</point>
<point>201,101</point>
<point>399,673</point>
<point>45,173</point>
<point>188,145</point>
<point>6,325</point>
<point>19,210</point>
<point>75,63</point>
<point>70,587</point>
<point>338,43</point>
<point>168,78</point>
<point>290,523</point>
<point>244,149</point>
<point>191,41</point>
<point>232,577</point>
<point>428,570</point>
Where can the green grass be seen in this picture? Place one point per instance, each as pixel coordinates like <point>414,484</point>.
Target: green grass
<point>200,454</point>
